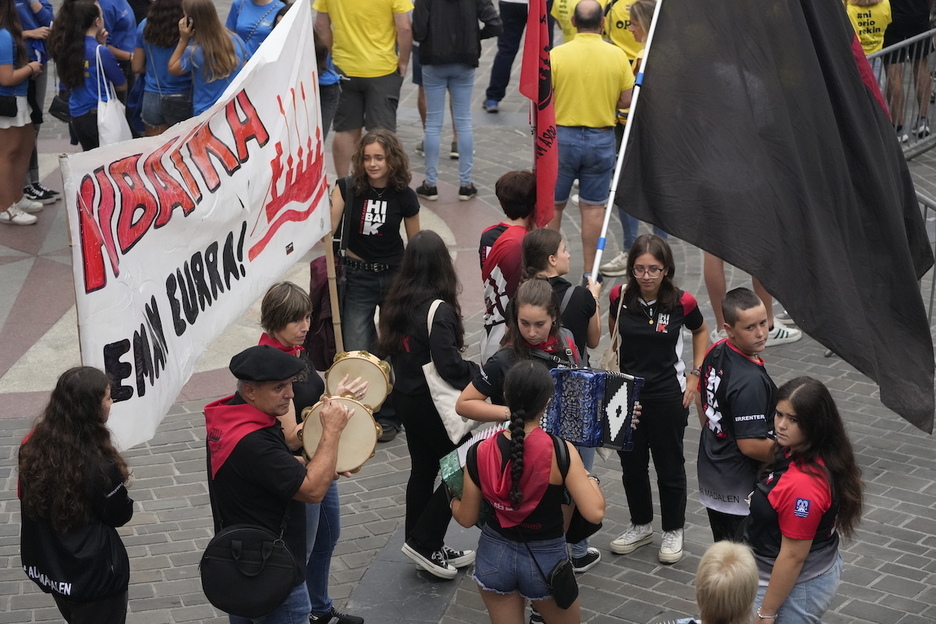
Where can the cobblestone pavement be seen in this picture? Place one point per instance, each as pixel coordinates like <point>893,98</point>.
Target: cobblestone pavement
<point>890,573</point>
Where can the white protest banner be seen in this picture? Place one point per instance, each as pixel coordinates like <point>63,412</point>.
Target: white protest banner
<point>175,236</point>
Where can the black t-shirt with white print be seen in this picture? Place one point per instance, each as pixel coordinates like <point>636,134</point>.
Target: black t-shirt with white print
<point>375,220</point>
<point>738,399</point>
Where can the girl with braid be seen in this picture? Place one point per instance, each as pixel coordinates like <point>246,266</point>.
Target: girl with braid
<point>518,474</point>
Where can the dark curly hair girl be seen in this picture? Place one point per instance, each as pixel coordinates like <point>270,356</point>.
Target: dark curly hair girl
<point>398,171</point>
<point>69,439</point>
<point>162,23</point>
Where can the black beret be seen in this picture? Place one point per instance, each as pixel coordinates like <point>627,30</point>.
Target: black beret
<point>265,363</point>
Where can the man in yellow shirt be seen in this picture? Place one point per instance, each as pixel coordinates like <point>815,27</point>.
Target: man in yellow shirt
<point>591,80</point>
<point>370,42</point>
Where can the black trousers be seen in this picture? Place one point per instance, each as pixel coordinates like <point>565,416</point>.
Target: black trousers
<point>724,526</point>
<point>427,510</point>
<point>660,434</point>
<point>110,610</point>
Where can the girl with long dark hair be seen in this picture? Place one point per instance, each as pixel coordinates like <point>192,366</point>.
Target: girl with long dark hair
<point>382,200</point>
<point>653,312</point>
<point>809,495</point>
<point>167,98</point>
<point>546,256</point>
<point>213,54</point>
<point>426,274</point>
<point>78,33</point>
<point>518,474</point>
<point>72,486</point>
<point>532,326</point>
<point>284,315</point>
<point>17,137</point>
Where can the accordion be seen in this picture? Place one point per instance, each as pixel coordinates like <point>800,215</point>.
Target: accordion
<point>593,407</point>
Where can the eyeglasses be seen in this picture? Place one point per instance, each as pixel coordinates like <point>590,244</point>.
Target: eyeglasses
<point>652,272</point>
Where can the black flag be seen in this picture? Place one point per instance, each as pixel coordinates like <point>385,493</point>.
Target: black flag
<point>755,139</point>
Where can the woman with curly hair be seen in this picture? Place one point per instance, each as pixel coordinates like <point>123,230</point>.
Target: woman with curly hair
<point>167,98</point>
<point>77,36</point>
<point>809,495</point>
<point>382,199</point>
<point>72,487</point>
<point>426,275</point>
<point>517,472</point>
<point>16,132</point>
<point>210,52</point>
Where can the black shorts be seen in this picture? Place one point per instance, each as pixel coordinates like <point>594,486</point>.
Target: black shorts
<point>368,103</point>
<point>901,30</point>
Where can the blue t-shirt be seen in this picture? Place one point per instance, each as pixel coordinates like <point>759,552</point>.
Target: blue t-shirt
<point>205,93</point>
<point>31,21</point>
<point>85,98</point>
<point>253,23</point>
<point>8,57</point>
<point>120,24</point>
<point>158,78</point>
<point>330,76</point>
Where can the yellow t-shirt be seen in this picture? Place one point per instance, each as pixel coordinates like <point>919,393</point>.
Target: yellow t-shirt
<point>562,10</point>
<point>364,34</point>
<point>870,22</point>
<point>588,75</point>
<point>616,29</point>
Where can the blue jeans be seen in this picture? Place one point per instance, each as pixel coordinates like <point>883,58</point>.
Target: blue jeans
<point>588,458</point>
<point>362,293</point>
<point>294,610</point>
<point>323,526</point>
<point>808,600</point>
<point>629,225</point>
<point>505,566</point>
<point>586,154</point>
<point>459,81</point>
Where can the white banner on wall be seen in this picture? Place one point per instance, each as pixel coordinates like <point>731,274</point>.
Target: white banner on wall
<point>175,236</point>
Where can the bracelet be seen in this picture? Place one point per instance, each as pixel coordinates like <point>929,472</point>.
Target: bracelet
<point>506,413</point>
<point>760,616</point>
<point>696,371</point>
<point>594,478</point>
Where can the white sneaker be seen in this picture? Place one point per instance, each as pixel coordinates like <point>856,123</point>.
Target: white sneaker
<point>616,267</point>
<point>781,334</point>
<point>574,199</point>
<point>15,216</point>
<point>721,334</point>
<point>634,537</point>
<point>29,206</point>
<point>672,549</point>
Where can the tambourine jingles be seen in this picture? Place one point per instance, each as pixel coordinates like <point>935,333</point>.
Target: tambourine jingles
<point>376,372</point>
<point>358,440</point>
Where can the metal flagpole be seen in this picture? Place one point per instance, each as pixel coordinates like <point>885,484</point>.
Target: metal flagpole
<point>627,130</point>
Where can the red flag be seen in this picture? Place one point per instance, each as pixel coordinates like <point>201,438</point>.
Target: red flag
<point>536,84</point>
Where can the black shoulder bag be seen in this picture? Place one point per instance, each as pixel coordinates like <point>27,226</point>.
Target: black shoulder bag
<point>248,570</point>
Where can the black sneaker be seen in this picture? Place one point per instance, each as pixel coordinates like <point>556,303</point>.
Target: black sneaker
<point>45,190</point>
<point>34,194</point>
<point>335,617</point>
<point>387,433</point>
<point>587,561</point>
<point>434,564</point>
<point>453,153</point>
<point>458,558</point>
<point>465,192</point>
<point>429,192</point>
<point>535,617</point>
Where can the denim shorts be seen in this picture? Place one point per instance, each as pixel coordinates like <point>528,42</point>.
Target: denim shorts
<point>166,110</point>
<point>586,154</point>
<point>504,566</point>
<point>808,600</point>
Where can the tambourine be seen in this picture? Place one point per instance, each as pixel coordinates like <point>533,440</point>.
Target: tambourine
<point>369,368</point>
<point>358,439</point>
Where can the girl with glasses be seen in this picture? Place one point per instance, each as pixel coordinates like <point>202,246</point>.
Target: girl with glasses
<point>651,312</point>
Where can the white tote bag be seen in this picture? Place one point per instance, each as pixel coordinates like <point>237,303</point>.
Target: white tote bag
<point>111,113</point>
<point>443,394</point>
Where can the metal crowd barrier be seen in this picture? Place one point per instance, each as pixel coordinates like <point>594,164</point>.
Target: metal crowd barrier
<point>928,205</point>
<point>905,74</point>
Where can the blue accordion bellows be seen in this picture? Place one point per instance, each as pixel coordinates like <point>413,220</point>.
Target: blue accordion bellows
<point>592,407</point>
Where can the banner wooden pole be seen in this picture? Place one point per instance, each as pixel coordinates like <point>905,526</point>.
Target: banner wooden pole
<point>333,291</point>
